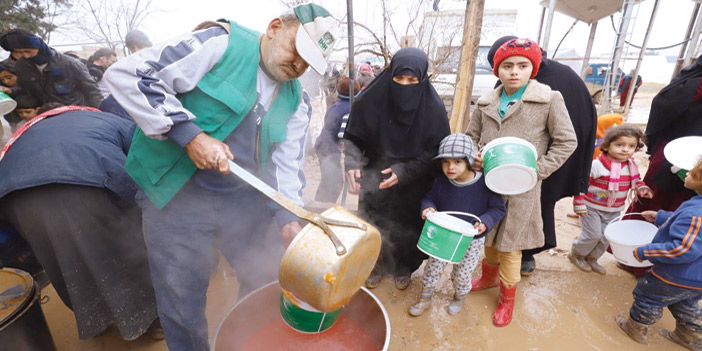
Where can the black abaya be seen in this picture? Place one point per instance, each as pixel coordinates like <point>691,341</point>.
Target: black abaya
<point>398,127</point>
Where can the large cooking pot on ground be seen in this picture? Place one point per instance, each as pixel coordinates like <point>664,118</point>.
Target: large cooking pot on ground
<point>22,323</point>
<point>257,316</point>
<point>330,259</point>
<point>314,273</point>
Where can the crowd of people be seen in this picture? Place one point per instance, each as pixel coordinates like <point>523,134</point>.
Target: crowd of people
<point>117,174</point>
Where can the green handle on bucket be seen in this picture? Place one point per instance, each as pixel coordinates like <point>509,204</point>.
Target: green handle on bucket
<point>624,215</point>
<point>462,214</point>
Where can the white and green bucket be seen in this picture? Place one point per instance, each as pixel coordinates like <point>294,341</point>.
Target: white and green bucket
<point>7,105</point>
<point>446,237</point>
<point>510,165</point>
<point>304,318</point>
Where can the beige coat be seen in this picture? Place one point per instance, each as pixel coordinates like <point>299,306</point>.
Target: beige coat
<point>539,116</point>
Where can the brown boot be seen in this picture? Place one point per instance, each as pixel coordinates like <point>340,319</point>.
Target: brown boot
<point>374,278</point>
<point>579,261</point>
<point>635,330</point>
<point>424,302</point>
<point>685,337</point>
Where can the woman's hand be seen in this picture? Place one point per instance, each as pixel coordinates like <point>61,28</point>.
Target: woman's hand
<point>388,182</point>
<point>352,176</point>
<point>649,215</point>
<point>427,211</point>
<point>481,227</point>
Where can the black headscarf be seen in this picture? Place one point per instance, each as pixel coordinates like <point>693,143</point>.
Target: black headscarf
<point>670,117</point>
<point>21,39</point>
<point>401,121</point>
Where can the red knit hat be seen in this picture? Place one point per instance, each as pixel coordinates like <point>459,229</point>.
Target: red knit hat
<point>519,47</point>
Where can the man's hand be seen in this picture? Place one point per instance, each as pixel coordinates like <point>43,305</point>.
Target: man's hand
<point>352,175</point>
<point>289,231</point>
<point>209,153</point>
<point>650,215</point>
<point>388,182</point>
<point>477,162</point>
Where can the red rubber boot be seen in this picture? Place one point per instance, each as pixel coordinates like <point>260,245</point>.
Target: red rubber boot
<point>489,278</point>
<point>505,306</point>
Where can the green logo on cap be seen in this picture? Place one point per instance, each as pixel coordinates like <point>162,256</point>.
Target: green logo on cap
<point>325,41</point>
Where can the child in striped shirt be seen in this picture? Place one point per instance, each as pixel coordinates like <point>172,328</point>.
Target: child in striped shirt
<point>612,175</point>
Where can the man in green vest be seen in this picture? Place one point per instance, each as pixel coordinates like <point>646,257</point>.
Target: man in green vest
<point>220,93</point>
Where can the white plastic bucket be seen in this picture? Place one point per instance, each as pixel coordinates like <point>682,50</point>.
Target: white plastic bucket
<point>626,235</point>
<point>446,237</point>
<point>510,165</point>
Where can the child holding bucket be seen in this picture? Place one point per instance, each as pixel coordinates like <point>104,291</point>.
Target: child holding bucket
<point>461,190</point>
<point>675,281</point>
<point>612,175</point>
<point>524,108</point>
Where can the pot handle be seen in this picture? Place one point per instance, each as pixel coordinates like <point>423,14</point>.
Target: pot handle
<point>462,214</point>
<point>624,215</point>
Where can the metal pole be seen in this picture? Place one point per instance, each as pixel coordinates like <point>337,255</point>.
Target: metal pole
<point>683,47</point>
<point>352,66</point>
<point>549,23</point>
<point>692,45</point>
<point>352,75</point>
<point>632,82</point>
<point>614,64</point>
<point>588,49</point>
<point>541,25</point>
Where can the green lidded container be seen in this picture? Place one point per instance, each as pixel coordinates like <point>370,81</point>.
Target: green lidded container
<point>446,237</point>
<point>303,317</point>
<point>510,165</point>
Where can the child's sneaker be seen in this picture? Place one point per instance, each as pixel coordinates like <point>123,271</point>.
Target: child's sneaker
<point>424,302</point>
<point>579,261</point>
<point>596,267</point>
<point>456,305</point>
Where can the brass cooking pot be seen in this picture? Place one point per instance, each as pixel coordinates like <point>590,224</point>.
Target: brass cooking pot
<point>313,270</point>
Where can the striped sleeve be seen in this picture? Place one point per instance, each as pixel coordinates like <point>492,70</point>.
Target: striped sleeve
<point>288,158</point>
<point>146,84</point>
<point>685,244</point>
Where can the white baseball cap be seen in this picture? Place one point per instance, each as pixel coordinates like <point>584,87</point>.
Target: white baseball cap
<point>315,41</point>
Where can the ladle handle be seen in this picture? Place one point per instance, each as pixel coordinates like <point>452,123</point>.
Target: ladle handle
<point>287,204</point>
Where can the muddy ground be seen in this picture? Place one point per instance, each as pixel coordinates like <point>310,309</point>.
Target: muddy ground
<point>557,308</point>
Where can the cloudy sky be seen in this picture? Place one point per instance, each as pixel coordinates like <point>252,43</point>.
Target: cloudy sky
<point>171,17</point>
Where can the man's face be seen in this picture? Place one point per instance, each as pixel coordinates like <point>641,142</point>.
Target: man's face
<point>8,79</point>
<point>280,57</point>
<point>109,61</point>
<point>27,113</point>
<point>25,53</point>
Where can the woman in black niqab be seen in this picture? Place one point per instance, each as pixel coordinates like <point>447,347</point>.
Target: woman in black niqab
<point>392,135</point>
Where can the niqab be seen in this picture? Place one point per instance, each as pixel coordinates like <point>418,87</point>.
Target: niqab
<point>401,121</point>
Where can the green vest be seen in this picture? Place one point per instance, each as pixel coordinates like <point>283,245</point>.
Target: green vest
<point>222,98</point>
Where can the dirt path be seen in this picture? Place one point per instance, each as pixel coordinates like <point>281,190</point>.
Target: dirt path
<point>557,308</point>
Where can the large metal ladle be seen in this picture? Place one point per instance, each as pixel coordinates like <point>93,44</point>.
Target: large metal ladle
<point>295,209</point>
